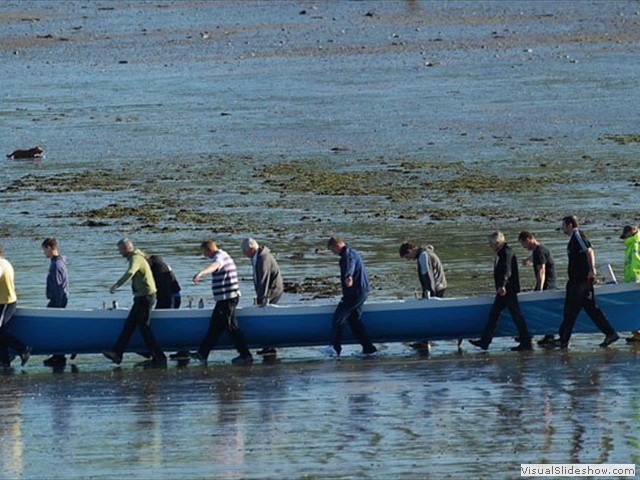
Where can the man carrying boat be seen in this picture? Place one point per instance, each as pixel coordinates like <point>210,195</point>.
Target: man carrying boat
<point>57,288</point>
<point>579,292</point>
<point>543,268</point>
<point>8,304</point>
<point>355,289</point>
<point>631,237</point>
<point>144,296</point>
<point>168,294</point>
<point>507,283</point>
<point>430,270</point>
<point>267,279</point>
<point>226,293</point>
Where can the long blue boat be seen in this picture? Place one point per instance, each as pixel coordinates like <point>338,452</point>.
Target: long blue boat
<point>50,331</point>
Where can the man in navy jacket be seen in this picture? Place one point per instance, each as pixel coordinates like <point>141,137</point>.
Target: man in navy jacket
<point>355,289</point>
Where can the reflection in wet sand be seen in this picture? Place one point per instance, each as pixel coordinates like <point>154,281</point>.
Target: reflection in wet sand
<point>378,120</point>
<point>11,440</point>
<point>401,416</point>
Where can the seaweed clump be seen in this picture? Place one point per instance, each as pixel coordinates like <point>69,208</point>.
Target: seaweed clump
<point>623,139</point>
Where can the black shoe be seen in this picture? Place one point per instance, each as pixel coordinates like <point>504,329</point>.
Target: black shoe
<point>632,339</point>
<point>546,340</point>
<point>523,347</point>
<point>479,344</point>
<point>198,356</point>
<point>55,361</point>
<point>180,356</point>
<point>159,362</point>
<point>151,364</point>
<point>243,360</point>
<point>423,346</point>
<point>609,339</point>
<point>113,356</point>
<point>557,343</point>
<point>371,350</point>
<point>25,356</point>
<point>6,363</point>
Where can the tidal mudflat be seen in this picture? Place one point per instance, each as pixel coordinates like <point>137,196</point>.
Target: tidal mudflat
<point>380,121</point>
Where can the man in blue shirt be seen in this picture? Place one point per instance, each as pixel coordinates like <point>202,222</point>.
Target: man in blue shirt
<point>355,289</point>
<point>57,288</point>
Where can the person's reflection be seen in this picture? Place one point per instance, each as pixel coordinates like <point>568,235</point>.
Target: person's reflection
<point>12,446</point>
<point>61,401</point>
<point>270,392</point>
<point>228,441</point>
<point>515,395</point>
<point>146,429</point>
<point>583,390</point>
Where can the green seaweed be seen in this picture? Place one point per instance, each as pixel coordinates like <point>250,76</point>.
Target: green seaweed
<point>623,139</point>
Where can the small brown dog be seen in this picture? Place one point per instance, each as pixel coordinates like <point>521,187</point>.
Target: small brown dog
<point>35,152</point>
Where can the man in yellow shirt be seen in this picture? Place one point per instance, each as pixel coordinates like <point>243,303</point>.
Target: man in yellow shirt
<point>144,296</point>
<point>8,303</point>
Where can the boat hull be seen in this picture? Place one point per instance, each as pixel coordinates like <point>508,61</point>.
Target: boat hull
<point>50,331</point>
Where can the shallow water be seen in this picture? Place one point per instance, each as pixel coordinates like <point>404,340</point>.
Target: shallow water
<point>184,127</point>
<point>432,121</point>
<point>397,416</point>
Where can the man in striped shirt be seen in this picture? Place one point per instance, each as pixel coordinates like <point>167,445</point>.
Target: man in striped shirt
<point>226,293</point>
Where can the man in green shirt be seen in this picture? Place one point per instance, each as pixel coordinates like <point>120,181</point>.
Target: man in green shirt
<point>144,296</point>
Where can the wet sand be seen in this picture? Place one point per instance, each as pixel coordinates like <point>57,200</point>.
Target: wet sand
<point>378,121</point>
<point>396,416</point>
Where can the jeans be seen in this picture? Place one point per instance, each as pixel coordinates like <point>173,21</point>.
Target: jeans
<point>350,310</point>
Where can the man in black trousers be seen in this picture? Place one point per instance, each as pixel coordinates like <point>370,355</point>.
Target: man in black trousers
<point>579,293</point>
<point>507,283</point>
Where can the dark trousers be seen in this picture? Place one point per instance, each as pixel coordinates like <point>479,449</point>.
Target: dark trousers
<point>168,301</point>
<point>223,319</point>
<point>140,316</point>
<point>59,303</point>
<point>580,295</point>
<point>6,339</point>
<point>350,310</point>
<point>510,302</point>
